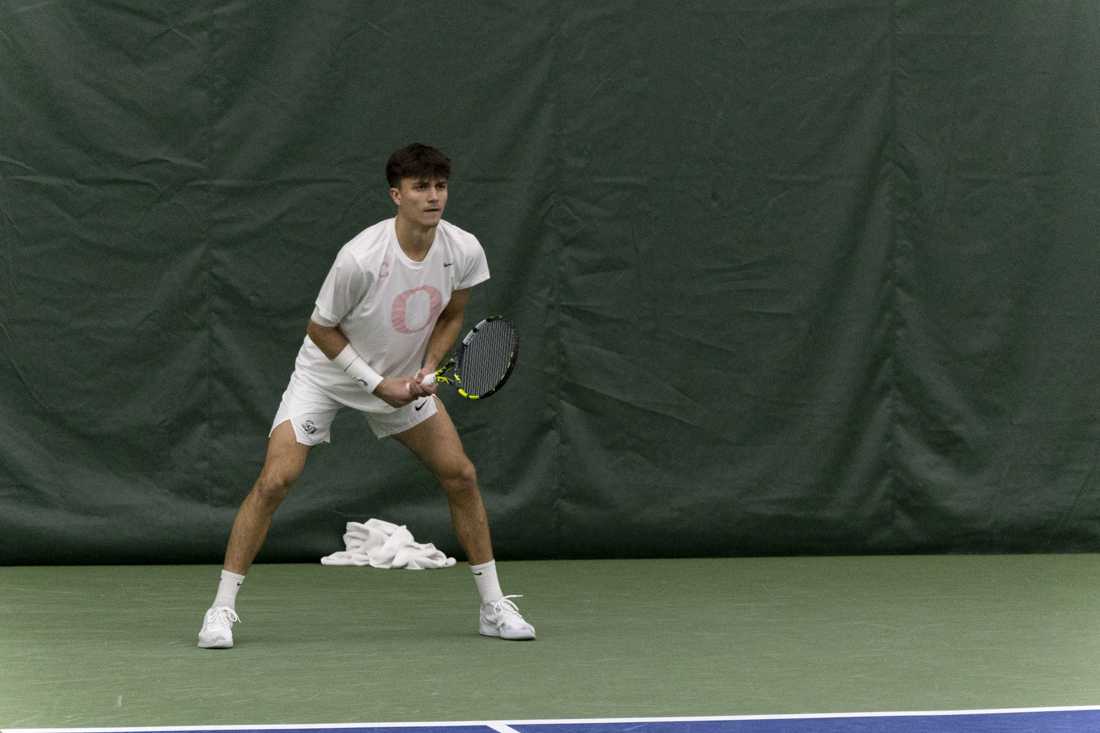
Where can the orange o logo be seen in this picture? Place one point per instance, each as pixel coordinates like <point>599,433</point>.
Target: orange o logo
<point>416,309</point>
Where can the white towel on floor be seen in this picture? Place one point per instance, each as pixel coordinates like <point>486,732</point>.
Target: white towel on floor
<point>382,544</point>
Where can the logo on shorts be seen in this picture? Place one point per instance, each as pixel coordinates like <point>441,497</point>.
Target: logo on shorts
<point>422,403</point>
<point>309,427</point>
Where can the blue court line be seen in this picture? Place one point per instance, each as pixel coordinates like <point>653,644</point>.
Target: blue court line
<point>1029,720</point>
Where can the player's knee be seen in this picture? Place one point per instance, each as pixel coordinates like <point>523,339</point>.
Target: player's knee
<point>460,478</point>
<point>271,489</point>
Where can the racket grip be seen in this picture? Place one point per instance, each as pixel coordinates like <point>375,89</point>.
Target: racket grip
<point>428,380</point>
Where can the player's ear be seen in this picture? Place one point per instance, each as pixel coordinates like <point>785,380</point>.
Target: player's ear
<point>395,196</point>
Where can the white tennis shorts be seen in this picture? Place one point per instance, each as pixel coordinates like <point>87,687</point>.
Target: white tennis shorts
<point>311,410</point>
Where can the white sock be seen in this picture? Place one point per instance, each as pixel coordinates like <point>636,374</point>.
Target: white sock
<point>485,575</point>
<point>227,590</point>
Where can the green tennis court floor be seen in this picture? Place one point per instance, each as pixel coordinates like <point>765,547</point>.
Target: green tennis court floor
<point>114,646</point>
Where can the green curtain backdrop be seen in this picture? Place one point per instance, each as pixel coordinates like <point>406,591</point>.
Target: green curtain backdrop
<point>791,277</point>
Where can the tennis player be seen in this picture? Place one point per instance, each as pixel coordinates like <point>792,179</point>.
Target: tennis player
<point>388,312</point>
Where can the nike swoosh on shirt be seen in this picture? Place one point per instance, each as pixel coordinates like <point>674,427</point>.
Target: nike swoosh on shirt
<point>447,264</point>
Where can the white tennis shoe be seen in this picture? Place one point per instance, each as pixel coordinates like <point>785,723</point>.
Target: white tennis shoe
<point>217,628</point>
<point>502,619</point>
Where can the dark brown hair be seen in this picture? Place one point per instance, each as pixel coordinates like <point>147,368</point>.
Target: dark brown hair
<point>417,161</point>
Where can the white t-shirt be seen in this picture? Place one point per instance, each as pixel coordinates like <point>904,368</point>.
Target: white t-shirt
<point>387,305</point>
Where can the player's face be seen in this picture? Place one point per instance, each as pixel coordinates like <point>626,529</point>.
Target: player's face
<point>421,200</point>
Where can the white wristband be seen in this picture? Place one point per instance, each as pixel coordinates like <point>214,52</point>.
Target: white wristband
<point>357,368</point>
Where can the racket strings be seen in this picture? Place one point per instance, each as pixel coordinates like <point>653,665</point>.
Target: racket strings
<point>487,356</point>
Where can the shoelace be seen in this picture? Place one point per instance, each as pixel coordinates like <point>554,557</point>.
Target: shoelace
<point>226,614</point>
<point>505,607</point>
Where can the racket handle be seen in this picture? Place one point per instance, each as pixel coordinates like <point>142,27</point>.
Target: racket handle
<point>428,380</point>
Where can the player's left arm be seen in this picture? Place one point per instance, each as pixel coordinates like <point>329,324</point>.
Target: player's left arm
<point>445,332</point>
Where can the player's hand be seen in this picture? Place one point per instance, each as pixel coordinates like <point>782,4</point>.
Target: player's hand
<point>422,376</point>
<point>400,391</point>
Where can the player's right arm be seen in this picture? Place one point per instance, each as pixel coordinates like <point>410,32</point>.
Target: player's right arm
<point>395,392</point>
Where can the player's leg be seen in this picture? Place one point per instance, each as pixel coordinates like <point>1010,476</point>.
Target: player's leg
<point>304,419</point>
<point>438,446</point>
<point>285,460</point>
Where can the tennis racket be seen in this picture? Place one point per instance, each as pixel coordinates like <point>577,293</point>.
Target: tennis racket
<point>483,360</point>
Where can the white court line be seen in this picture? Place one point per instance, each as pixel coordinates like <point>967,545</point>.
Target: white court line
<point>509,726</point>
<point>502,728</point>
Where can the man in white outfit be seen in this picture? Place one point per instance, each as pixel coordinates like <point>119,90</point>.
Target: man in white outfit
<point>388,312</point>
